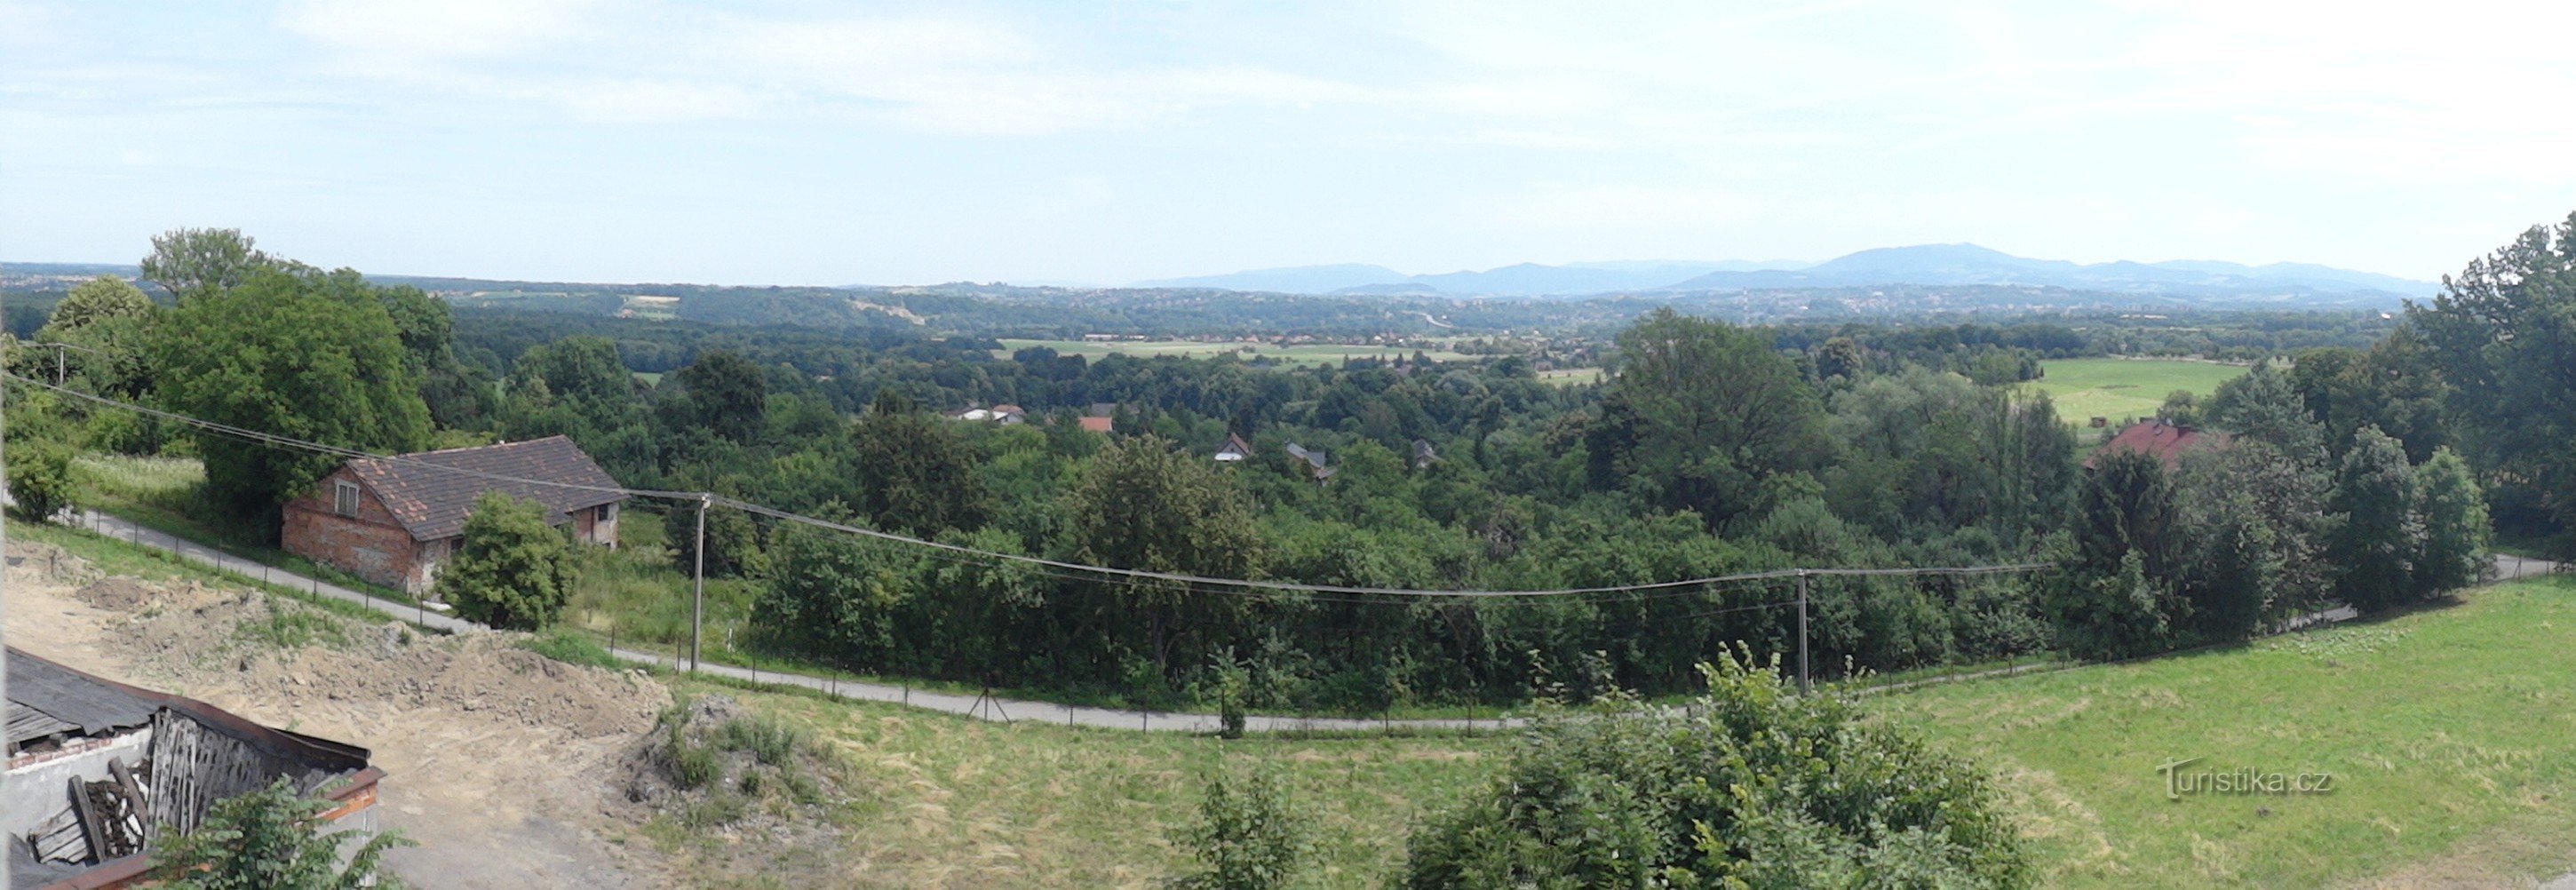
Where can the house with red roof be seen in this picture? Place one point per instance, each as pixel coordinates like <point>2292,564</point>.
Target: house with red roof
<point>393,520</point>
<point>2166,441</point>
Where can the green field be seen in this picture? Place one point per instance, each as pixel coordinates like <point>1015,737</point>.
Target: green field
<point>2123,389</point>
<point>2450,734</point>
<point>1570,376</point>
<point>1300,354</point>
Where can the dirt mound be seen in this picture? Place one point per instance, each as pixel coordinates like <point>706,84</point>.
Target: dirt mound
<point>717,766</point>
<point>36,561</point>
<point>279,647</point>
<point>122,594</point>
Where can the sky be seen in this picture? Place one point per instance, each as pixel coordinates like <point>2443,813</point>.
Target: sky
<point>1106,142</point>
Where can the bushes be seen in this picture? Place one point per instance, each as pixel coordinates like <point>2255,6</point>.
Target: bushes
<point>40,478</point>
<point>513,570</point>
<point>1247,836</point>
<point>1750,786</point>
<point>273,839</point>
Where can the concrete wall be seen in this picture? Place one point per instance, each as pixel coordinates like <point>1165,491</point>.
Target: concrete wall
<point>370,545</point>
<point>38,784</point>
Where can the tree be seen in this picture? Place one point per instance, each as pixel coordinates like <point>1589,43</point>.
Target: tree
<point>2125,506</point>
<point>40,482</point>
<point>193,263</point>
<point>2382,535</point>
<point>302,354</point>
<point>580,367</point>
<point>270,839</point>
<point>1247,837</point>
<point>728,394</point>
<point>2114,614</point>
<point>2264,405</point>
<point>2454,513</point>
<point>1753,786</point>
<point>110,322</point>
<point>832,596</point>
<point>915,473</point>
<point>1704,416</point>
<point>2498,338</point>
<point>103,297</point>
<point>512,569</point>
<point>1145,505</point>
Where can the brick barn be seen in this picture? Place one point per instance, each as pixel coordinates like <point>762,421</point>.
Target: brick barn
<point>393,521</point>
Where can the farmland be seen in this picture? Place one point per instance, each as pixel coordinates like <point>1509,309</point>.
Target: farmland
<point>1299,354</point>
<point>2445,731</point>
<point>2122,389</point>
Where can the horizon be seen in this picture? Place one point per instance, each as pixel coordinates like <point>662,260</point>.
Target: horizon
<point>564,140</point>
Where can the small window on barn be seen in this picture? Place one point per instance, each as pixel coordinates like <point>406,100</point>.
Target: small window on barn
<point>344,498</point>
<point>607,512</point>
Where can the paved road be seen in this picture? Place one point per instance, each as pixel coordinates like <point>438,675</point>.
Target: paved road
<point>981,708</point>
<point>978,707</point>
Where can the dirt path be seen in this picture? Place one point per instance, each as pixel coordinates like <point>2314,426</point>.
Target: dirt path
<point>495,799</point>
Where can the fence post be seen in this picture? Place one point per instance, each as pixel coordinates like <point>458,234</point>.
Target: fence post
<point>698,594</point>
<point>1802,631</point>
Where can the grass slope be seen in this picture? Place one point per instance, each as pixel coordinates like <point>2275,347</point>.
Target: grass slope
<point>2122,389</point>
<point>2451,734</point>
<point>946,801</point>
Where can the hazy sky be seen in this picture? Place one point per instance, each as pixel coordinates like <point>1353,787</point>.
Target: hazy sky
<point>827,143</point>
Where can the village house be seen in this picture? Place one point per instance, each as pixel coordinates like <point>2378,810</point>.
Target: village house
<point>2167,441</point>
<point>393,521</point>
<point>1235,449</point>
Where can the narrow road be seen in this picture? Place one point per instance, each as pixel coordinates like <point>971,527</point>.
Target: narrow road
<point>979,707</point>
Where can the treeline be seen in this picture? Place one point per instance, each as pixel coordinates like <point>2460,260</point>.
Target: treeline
<point>1715,450</point>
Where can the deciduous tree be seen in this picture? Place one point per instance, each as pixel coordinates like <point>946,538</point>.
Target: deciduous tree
<point>512,570</point>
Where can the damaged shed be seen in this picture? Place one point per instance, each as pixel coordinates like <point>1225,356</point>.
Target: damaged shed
<point>97,768</point>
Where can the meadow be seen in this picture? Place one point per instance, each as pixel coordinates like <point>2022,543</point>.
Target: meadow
<point>2447,731</point>
<point>1299,354</point>
<point>2124,389</point>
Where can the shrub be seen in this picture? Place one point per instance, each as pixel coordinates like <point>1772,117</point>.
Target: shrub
<point>512,570</point>
<point>1247,836</point>
<point>770,740</point>
<point>40,478</point>
<point>1749,786</point>
<point>273,839</point>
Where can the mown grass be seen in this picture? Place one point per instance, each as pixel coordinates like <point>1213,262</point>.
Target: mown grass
<point>940,800</point>
<point>2451,734</point>
<point>2124,389</point>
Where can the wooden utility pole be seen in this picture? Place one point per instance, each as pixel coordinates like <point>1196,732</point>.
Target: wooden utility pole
<point>1802,631</point>
<point>698,598</point>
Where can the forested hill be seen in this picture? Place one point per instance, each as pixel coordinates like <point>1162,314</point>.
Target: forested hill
<point>1001,310</point>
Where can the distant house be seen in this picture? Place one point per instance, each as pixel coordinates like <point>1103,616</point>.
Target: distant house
<point>1101,425</point>
<point>1235,449</point>
<point>1314,463</point>
<point>2164,440</point>
<point>1423,454</point>
<point>1101,409</point>
<point>393,521</point>
<point>1002,414</point>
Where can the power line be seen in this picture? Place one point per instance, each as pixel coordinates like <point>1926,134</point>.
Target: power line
<point>1134,575</point>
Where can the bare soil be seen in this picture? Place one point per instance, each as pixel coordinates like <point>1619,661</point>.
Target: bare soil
<point>499,761</point>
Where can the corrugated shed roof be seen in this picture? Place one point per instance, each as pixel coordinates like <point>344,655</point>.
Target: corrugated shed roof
<point>47,699</point>
<point>432,503</point>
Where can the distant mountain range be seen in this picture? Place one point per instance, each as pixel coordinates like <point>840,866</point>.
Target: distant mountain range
<point>1930,265</point>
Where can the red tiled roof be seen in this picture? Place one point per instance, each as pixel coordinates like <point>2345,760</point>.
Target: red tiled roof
<point>2164,440</point>
<point>431,503</point>
<point>1097,424</point>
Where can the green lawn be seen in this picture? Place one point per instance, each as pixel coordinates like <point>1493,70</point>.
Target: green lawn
<point>2123,389</point>
<point>1302,354</point>
<point>1570,376</point>
<point>947,801</point>
<point>2450,734</point>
